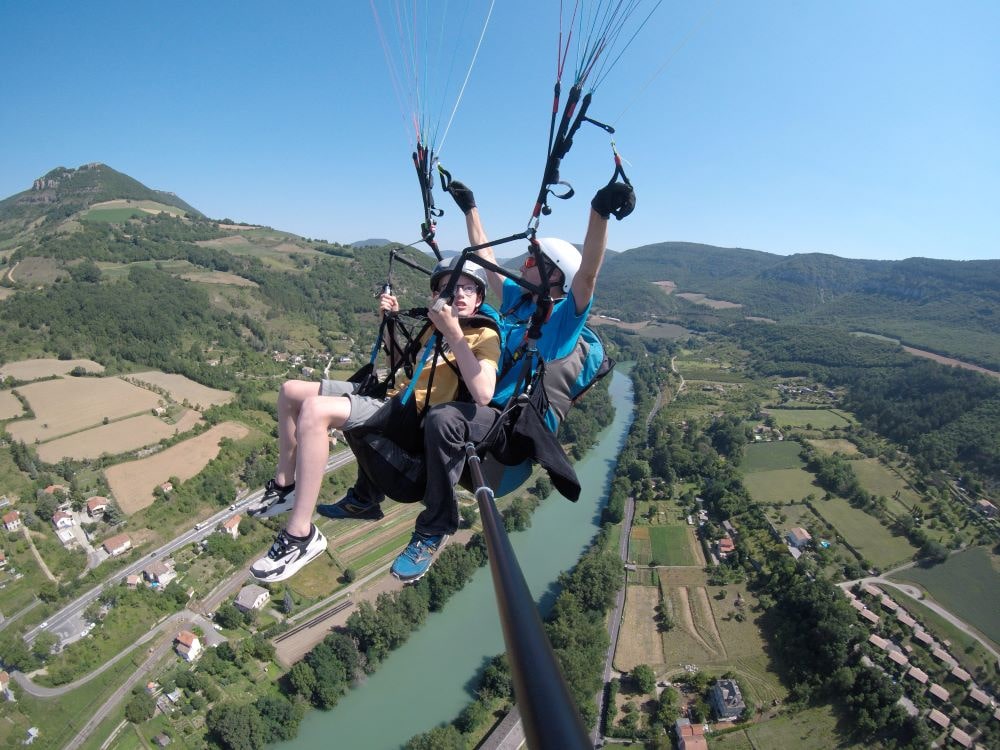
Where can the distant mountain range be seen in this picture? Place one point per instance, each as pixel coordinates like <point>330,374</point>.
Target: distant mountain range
<point>951,307</point>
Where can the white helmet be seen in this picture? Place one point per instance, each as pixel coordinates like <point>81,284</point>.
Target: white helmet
<point>564,255</point>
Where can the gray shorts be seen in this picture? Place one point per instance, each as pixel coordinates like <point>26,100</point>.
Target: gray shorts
<point>363,408</point>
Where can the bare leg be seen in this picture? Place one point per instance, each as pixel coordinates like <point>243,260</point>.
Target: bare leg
<point>291,395</point>
<point>317,414</point>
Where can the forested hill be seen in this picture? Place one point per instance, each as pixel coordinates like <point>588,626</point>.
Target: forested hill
<point>63,192</point>
<point>946,306</point>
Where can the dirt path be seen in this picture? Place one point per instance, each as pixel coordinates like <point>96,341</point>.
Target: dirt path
<point>38,557</point>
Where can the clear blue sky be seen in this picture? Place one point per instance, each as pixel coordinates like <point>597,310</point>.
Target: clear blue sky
<point>862,128</point>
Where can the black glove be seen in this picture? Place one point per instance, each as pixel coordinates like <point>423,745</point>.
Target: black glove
<point>462,195</point>
<point>616,198</point>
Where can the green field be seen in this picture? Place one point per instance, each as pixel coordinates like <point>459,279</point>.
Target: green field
<point>820,419</point>
<point>966,584</point>
<point>775,455</point>
<point>780,485</point>
<point>864,532</point>
<point>811,729</point>
<point>112,215</point>
<point>880,480</point>
<point>670,545</point>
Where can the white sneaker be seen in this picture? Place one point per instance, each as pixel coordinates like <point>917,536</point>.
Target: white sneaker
<point>275,500</point>
<point>287,556</point>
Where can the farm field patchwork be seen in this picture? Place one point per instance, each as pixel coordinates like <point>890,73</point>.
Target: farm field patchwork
<point>182,389</point>
<point>819,418</point>
<point>966,584</point>
<point>780,485</point>
<point>864,532</point>
<point>132,483</point>
<point>33,369</point>
<point>68,405</point>
<point>114,438</point>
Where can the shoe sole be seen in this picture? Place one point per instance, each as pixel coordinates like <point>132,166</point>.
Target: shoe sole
<point>274,509</point>
<point>348,516</point>
<point>299,565</point>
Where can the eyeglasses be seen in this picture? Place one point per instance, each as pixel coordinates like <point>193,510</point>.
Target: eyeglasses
<point>467,289</point>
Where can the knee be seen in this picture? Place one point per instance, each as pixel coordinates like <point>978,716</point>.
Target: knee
<point>445,422</point>
<point>311,416</point>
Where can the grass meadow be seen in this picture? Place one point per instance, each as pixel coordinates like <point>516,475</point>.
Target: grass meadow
<point>880,480</point>
<point>864,532</point>
<point>781,485</point>
<point>782,454</point>
<point>830,446</point>
<point>811,729</point>
<point>671,545</point>
<point>819,418</point>
<point>968,584</point>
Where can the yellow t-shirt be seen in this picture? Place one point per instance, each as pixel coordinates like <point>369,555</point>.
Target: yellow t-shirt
<point>485,344</point>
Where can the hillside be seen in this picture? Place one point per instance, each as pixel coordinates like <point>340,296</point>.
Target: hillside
<point>952,307</point>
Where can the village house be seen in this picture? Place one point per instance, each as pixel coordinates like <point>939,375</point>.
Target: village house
<point>167,488</point>
<point>924,637</point>
<point>917,674</point>
<point>159,574</point>
<point>899,657</point>
<point>904,618</point>
<point>62,520</point>
<point>726,699</point>
<point>690,736</point>
<point>231,526</point>
<point>939,718</point>
<point>3,559</point>
<point>252,597</point>
<point>725,547</point>
<point>888,603</point>
<point>943,656</point>
<point>962,738</point>
<point>938,692</point>
<point>54,489</point>
<point>12,520</point>
<point>133,580</point>
<point>161,740</point>
<point>870,616</point>
<point>117,545</point>
<point>878,641</point>
<point>961,675</point>
<point>188,645</point>
<point>96,506</point>
<point>872,590</point>
<point>981,697</point>
<point>5,686</point>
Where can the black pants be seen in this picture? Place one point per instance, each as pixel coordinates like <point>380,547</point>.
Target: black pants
<point>447,428</point>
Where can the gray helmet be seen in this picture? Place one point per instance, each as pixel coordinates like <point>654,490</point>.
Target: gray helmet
<point>469,268</point>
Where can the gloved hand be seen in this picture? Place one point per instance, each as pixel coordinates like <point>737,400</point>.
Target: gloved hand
<point>616,198</point>
<point>463,196</point>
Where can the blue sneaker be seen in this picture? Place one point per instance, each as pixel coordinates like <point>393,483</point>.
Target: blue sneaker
<point>416,559</point>
<point>352,506</point>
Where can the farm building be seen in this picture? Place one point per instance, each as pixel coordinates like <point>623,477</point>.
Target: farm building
<point>726,699</point>
<point>188,645</point>
<point>878,641</point>
<point>981,697</point>
<point>167,488</point>
<point>872,590</point>
<point>899,657</point>
<point>924,637</point>
<point>905,619</point>
<point>252,597</point>
<point>943,656</point>
<point>798,537</point>
<point>888,603</point>
<point>870,616</point>
<point>117,545</point>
